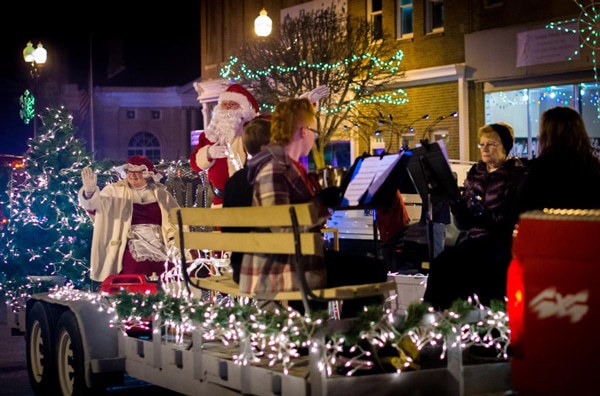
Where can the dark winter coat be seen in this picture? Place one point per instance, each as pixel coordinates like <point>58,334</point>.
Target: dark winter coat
<point>487,207</point>
<point>561,181</point>
<point>486,214</point>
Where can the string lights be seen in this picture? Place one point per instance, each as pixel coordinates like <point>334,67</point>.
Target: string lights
<point>44,209</point>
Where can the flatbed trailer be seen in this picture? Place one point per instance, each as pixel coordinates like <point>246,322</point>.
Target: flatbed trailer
<point>73,350</point>
<point>76,344</point>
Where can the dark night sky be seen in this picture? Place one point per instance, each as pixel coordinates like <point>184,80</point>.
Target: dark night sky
<point>161,47</point>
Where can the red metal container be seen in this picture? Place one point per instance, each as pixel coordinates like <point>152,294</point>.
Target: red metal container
<point>554,303</point>
<point>134,283</point>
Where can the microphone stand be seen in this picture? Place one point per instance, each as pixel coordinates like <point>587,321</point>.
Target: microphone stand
<point>435,122</point>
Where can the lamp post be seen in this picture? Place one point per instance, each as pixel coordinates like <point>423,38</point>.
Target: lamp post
<point>263,24</point>
<point>36,58</point>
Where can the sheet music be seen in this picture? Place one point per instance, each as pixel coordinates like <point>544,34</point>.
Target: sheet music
<point>369,177</point>
<point>443,148</point>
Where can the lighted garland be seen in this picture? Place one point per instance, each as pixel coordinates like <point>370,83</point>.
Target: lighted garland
<point>396,97</point>
<point>27,111</point>
<point>275,335</point>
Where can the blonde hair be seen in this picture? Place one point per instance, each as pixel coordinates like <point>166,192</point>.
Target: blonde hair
<point>503,131</point>
<point>287,117</point>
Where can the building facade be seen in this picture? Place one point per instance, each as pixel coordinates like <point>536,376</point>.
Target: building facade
<point>459,56</point>
<point>152,121</point>
<point>522,63</point>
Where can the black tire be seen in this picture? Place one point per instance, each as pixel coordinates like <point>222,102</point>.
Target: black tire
<point>70,364</point>
<point>39,349</point>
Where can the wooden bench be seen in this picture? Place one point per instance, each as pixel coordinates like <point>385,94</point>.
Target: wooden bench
<point>194,223</point>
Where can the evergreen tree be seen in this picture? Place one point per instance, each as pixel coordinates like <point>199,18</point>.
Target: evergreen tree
<point>48,233</point>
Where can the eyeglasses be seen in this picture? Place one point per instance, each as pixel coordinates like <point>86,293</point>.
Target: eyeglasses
<point>315,131</point>
<point>488,145</point>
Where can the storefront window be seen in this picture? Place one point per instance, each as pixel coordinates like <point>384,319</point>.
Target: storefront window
<point>523,109</point>
<point>338,154</point>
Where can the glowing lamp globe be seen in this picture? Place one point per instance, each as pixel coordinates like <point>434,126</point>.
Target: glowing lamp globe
<point>28,53</point>
<point>263,24</point>
<point>40,54</point>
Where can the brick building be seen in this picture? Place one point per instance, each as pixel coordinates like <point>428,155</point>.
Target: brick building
<point>459,56</point>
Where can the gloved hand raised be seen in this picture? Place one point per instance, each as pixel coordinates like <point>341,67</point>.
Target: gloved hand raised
<point>89,179</point>
<point>217,151</point>
<point>317,94</point>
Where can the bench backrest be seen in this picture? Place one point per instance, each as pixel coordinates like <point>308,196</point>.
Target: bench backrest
<point>197,229</point>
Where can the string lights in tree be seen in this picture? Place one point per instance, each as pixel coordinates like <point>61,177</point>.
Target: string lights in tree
<point>47,233</point>
<point>364,96</point>
<point>322,48</point>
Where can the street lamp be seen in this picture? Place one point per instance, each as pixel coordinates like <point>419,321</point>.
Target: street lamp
<point>36,58</point>
<point>263,24</point>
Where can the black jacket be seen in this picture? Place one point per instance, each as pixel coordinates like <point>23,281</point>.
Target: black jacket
<point>487,207</point>
<point>561,181</point>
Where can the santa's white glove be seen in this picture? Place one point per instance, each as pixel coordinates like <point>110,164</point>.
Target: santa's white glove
<point>217,151</point>
<point>88,177</point>
<point>318,93</point>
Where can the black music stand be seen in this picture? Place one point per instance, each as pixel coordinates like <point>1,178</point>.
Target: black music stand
<point>383,196</point>
<point>386,191</point>
<point>430,172</point>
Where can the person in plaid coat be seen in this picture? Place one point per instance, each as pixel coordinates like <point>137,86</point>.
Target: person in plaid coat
<point>279,178</point>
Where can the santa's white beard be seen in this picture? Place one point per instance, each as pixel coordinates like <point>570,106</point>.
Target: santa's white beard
<point>225,125</point>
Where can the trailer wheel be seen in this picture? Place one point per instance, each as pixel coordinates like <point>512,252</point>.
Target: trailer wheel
<point>41,321</point>
<point>70,365</point>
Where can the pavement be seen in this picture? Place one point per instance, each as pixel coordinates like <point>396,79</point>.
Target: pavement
<point>13,368</point>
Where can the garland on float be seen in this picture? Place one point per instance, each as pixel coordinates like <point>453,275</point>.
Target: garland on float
<point>276,335</point>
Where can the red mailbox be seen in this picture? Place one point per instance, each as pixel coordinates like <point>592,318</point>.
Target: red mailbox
<point>554,303</point>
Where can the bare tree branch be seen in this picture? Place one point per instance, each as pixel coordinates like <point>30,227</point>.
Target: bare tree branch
<point>321,48</point>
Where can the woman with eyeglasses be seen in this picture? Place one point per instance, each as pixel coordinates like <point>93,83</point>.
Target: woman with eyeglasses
<point>132,231</point>
<point>486,216</point>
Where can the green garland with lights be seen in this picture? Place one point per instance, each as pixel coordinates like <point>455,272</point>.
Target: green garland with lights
<point>27,111</point>
<point>375,338</point>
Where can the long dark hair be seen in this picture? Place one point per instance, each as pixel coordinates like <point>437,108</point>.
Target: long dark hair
<point>562,130</point>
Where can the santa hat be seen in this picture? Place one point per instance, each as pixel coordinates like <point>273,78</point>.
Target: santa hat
<point>239,94</point>
<point>139,163</point>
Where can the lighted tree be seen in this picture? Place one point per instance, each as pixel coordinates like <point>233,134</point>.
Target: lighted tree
<point>47,234</point>
<point>323,48</point>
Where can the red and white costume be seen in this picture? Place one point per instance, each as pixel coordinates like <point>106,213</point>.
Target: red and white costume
<point>225,128</point>
<point>132,231</point>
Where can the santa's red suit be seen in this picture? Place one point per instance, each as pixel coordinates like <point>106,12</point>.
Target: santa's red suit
<point>225,132</point>
<point>225,129</point>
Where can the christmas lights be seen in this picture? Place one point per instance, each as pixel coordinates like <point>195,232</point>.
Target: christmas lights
<point>588,32</point>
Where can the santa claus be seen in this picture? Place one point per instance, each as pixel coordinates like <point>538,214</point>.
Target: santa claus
<point>220,151</point>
